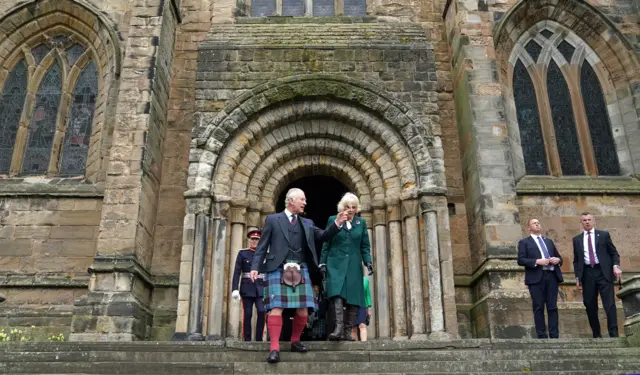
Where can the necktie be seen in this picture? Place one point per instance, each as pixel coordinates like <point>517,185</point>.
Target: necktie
<point>293,219</point>
<point>545,251</point>
<point>592,255</point>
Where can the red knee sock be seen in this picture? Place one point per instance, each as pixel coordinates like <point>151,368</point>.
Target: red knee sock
<point>299,322</point>
<point>274,325</point>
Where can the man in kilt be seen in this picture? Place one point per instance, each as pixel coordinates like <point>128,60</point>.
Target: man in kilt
<point>288,241</point>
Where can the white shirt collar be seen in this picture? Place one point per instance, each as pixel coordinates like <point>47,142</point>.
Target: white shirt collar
<point>288,213</point>
<point>535,236</point>
<point>593,230</point>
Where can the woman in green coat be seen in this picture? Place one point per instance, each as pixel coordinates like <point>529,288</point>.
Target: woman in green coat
<point>341,263</point>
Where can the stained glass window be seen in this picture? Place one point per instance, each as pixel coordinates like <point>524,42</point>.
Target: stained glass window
<point>323,8</point>
<point>546,33</point>
<point>566,50</point>
<point>533,150</point>
<point>42,127</point>
<point>260,8</point>
<point>11,103</point>
<point>599,125</point>
<point>78,131</point>
<point>293,7</point>
<point>40,52</point>
<point>564,122</point>
<point>355,8</point>
<point>74,53</point>
<point>534,50</point>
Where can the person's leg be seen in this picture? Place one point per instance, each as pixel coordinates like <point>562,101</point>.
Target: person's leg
<point>247,307</point>
<point>606,289</point>
<point>590,300</point>
<point>260,322</point>
<point>274,325</point>
<point>363,332</point>
<point>338,313</point>
<point>299,322</point>
<point>354,333</point>
<point>552,305</point>
<point>537,302</point>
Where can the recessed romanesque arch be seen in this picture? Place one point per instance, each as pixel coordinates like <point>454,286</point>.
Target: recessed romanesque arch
<point>360,104</point>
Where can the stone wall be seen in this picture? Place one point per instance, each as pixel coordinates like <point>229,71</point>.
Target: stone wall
<point>46,247</point>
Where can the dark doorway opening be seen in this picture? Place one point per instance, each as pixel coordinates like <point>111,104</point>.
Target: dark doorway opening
<point>323,194</point>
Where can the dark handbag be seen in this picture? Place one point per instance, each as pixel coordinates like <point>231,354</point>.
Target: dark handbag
<point>292,277</point>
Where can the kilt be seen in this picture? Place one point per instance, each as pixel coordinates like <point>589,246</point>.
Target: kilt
<point>278,295</point>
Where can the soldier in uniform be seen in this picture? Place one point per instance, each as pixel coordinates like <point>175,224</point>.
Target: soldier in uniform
<point>251,293</point>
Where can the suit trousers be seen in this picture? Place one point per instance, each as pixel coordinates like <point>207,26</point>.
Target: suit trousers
<point>545,292</point>
<point>247,306</point>
<point>594,282</point>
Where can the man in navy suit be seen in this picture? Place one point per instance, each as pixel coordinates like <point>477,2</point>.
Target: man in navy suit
<point>250,292</point>
<point>288,242</point>
<point>596,263</point>
<point>542,263</point>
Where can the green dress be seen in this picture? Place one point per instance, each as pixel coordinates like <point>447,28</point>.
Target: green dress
<point>344,256</point>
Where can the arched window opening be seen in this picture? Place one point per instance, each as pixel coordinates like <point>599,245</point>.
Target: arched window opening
<point>568,131</point>
<point>50,133</point>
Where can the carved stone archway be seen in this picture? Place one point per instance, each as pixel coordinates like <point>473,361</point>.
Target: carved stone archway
<point>242,159</point>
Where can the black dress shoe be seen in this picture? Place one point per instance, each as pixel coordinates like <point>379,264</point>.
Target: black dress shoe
<point>298,347</point>
<point>274,357</point>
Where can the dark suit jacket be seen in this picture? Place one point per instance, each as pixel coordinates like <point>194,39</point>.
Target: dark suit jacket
<point>528,253</point>
<point>605,251</point>
<point>274,242</point>
<point>247,287</point>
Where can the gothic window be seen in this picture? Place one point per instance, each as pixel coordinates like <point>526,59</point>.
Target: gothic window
<point>49,133</point>
<point>299,8</point>
<point>565,129</point>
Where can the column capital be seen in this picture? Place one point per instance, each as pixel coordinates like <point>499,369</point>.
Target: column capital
<point>368,217</point>
<point>393,209</point>
<point>379,216</point>
<point>198,205</point>
<point>238,213</point>
<point>410,208</point>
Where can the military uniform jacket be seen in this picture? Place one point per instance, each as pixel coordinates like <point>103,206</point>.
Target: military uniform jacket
<point>243,265</point>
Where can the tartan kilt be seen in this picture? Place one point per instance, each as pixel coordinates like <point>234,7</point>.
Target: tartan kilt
<point>278,295</point>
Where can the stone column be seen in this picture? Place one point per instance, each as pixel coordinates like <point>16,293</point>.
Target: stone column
<point>238,234</point>
<point>436,310</point>
<point>197,277</point>
<point>630,296</point>
<point>397,271</point>
<point>382,274</point>
<point>253,222</point>
<point>218,265</point>
<point>412,238</point>
<point>372,328</point>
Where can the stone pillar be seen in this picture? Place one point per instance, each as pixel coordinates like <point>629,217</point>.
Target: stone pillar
<point>196,207</point>
<point>382,267</point>
<point>218,265</point>
<point>630,296</point>
<point>372,328</point>
<point>397,271</point>
<point>412,237</point>
<point>486,154</point>
<point>253,222</point>
<point>436,310</point>
<point>197,277</point>
<point>238,234</point>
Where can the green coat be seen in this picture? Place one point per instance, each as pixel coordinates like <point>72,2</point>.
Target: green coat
<point>344,256</point>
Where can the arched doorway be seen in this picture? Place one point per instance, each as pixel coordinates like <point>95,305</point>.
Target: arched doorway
<point>245,160</point>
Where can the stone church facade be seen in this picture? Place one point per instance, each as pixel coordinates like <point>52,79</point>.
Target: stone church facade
<point>140,140</point>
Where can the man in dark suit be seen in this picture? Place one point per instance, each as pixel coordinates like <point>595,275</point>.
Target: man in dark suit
<point>542,263</point>
<point>596,263</point>
<point>250,292</point>
<point>287,246</point>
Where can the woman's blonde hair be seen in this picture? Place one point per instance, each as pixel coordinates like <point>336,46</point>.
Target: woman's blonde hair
<point>349,199</point>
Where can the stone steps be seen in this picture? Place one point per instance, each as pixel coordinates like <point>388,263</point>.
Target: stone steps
<point>586,356</point>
